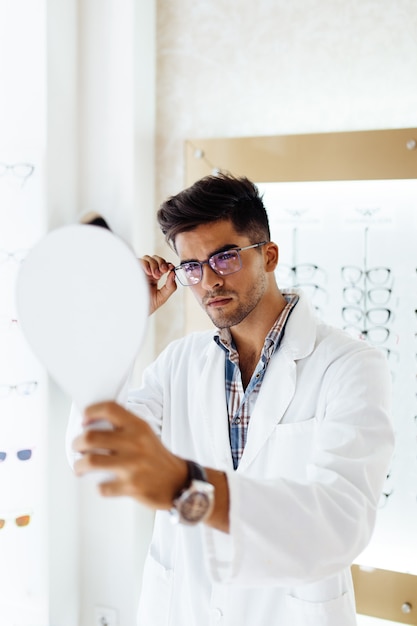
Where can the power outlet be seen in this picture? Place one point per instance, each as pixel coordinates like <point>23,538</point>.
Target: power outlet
<point>105,616</point>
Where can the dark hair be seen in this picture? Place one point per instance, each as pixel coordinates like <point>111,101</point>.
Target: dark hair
<point>213,198</point>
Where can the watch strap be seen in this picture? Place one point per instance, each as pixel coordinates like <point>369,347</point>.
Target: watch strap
<point>195,472</point>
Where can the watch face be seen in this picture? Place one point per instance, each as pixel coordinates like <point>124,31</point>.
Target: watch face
<point>195,506</point>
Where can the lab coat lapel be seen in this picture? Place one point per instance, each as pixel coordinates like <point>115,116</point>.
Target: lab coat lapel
<point>278,385</point>
<point>276,393</point>
<point>214,407</point>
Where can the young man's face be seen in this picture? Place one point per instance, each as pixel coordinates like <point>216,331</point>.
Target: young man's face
<point>227,300</point>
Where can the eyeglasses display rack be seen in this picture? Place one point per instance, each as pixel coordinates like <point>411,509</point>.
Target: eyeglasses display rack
<point>23,382</point>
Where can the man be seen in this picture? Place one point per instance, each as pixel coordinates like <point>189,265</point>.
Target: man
<point>284,422</point>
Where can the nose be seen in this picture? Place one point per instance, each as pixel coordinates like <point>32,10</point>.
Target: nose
<point>210,279</point>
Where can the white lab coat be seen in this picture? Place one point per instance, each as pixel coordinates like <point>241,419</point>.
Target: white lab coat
<point>304,497</point>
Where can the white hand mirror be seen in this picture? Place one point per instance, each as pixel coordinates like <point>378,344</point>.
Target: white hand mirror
<point>82,301</point>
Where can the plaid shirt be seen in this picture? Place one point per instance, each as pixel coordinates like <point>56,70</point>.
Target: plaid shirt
<point>240,402</point>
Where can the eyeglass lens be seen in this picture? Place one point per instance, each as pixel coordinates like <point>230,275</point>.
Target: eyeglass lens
<point>376,275</point>
<point>301,272</point>
<point>353,314</point>
<point>20,170</point>
<point>21,389</point>
<point>376,295</point>
<point>22,455</point>
<point>222,263</point>
<point>17,256</point>
<point>21,521</point>
<point>225,262</point>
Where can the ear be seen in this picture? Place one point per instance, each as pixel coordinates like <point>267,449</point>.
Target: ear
<point>271,255</point>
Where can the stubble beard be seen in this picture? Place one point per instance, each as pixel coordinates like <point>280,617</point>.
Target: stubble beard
<point>251,300</point>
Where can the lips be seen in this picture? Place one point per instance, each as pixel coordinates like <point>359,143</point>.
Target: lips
<point>217,302</point>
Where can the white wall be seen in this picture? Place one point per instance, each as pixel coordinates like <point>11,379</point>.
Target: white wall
<point>115,156</point>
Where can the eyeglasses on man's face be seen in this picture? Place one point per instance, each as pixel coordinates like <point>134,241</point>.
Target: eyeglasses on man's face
<point>222,263</point>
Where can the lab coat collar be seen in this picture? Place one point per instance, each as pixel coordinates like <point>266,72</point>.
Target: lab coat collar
<point>301,329</point>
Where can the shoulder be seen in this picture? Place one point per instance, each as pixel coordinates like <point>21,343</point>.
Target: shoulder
<point>338,340</point>
<point>346,360</point>
<point>309,334</point>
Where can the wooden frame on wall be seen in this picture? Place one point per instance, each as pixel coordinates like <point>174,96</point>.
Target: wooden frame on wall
<point>359,155</point>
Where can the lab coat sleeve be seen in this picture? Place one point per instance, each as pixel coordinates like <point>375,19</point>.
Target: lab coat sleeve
<point>147,402</point>
<point>288,532</point>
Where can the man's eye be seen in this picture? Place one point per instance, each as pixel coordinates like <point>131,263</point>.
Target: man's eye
<point>190,267</point>
<point>226,256</point>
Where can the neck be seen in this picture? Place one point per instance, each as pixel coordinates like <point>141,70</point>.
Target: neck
<point>249,336</point>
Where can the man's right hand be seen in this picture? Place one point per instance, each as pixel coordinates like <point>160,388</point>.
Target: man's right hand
<point>155,267</point>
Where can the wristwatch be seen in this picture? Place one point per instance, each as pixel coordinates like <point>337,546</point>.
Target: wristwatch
<point>195,502</point>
